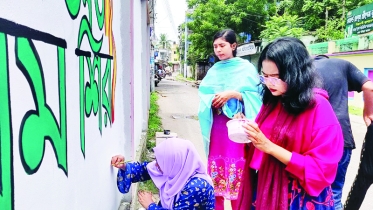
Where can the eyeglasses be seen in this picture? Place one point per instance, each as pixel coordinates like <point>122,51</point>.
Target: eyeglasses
<point>265,80</point>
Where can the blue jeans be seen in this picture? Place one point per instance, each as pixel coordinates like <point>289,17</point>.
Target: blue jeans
<point>339,181</point>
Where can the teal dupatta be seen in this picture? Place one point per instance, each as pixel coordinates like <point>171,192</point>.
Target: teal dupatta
<point>233,74</point>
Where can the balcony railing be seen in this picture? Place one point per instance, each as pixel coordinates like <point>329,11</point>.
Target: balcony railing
<point>342,45</point>
<point>318,48</point>
<point>346,45</point>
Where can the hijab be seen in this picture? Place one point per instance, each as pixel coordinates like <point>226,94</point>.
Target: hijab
<point>178,162</point>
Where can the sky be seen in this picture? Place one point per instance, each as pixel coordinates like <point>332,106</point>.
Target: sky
<point>163,23</point>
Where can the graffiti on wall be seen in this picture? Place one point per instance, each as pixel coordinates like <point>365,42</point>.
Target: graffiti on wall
<point>96,94</point>
<point>40,124</point>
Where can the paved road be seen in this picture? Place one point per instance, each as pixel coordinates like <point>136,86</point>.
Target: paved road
<point>178,103</point>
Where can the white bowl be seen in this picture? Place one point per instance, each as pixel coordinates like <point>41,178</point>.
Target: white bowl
<point>236,132</point>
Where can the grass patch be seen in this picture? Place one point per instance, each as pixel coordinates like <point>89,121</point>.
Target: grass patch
<point>154,125</point>
<point>190,79</point>
<point>180,77</point>
<point>355,110</point>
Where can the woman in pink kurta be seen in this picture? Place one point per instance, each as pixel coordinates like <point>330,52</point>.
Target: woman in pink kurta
<point>296,138</point>
<point>230,86</point>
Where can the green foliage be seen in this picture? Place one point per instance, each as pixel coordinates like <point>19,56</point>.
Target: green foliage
<point>280,26</point>
<point>155,124</point>
<point>327,17</point>
<point>211,16</point>
<point>180,77</point>
<point>314,10</point>
<point>333,31</point>
<point>265,19</point>
<point>164,43</point>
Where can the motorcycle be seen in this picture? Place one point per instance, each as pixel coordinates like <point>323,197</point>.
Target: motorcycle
<point>157,79</point>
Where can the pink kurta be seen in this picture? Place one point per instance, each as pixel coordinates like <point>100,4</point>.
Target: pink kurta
<point>226,160</point>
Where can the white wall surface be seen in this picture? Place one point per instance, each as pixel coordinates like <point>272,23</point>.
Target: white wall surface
<point>57,131</point>
<point>138,70</point>
<point>141,72</point>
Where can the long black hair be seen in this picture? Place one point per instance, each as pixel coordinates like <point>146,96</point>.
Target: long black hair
<point>228,35</point>
<point>296,69</point>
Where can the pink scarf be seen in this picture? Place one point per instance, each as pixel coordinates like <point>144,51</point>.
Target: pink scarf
<point>272,177</point>
<point>179,161</point>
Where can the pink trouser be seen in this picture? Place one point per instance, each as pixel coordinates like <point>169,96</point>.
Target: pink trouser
<point>219,203</point>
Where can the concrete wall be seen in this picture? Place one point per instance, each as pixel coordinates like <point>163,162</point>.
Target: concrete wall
<point>74,91</point>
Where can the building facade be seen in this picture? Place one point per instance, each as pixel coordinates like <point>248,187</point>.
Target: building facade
<point>175,57</point>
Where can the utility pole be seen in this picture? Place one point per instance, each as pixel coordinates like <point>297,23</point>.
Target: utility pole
<point>186,46</point>
<point>152,34</point>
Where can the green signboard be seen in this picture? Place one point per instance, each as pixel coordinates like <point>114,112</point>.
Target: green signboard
<point>360,20</point>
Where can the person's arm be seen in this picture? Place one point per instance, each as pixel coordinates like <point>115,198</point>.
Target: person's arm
<point>315,167</point>
<point>221,98</point>
<point>197,192</point>
<point>368,102</point>
<point>134,172</point>
<point>237,95</point>
<point>357,81</point>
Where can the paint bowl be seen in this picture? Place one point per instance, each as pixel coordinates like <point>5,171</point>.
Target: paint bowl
<point>236,132</point>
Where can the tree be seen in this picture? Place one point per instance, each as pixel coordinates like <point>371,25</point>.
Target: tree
<point>280,26</point>
<point>267,19</point>
<point>164,42</point>
<point>333,30</point>
<point>317,13</point>
<point>326,17</point>
<point>210,16</point>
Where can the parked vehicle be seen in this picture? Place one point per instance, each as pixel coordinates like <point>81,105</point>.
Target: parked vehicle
<point>157,79</point>
<point>161,73</point>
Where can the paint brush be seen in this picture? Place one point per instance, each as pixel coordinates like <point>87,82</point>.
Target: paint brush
<point>121,162</point>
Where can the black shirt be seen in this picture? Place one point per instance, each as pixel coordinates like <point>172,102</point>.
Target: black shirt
<point>340,76</point>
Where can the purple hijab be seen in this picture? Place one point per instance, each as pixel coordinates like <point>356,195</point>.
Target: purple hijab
<point>179,161</point>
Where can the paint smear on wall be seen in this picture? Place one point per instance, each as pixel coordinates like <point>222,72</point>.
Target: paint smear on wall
<point>112,49</point>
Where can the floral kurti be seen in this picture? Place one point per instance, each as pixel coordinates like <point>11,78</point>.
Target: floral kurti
<point>197,193</point>
<point>226,160</point>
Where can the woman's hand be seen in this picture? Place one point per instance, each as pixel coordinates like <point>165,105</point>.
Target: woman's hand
<point>222,98</point>
<point>118,162</point>
<point>259,140</point>
<point>145,198</point>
